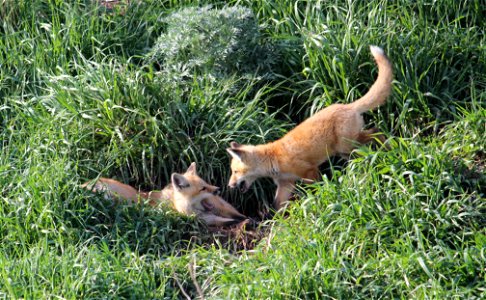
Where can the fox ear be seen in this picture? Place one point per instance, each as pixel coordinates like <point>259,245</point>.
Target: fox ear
<point>235,153</point>
<point>235,145</point>
<point>192,168</point>
<point>179,182</point>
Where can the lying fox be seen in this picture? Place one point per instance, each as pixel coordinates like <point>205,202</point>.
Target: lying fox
<point>334,130</point>
<point>188,194</point>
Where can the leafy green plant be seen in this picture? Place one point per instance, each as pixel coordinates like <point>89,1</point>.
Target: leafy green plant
<point>214,44</point>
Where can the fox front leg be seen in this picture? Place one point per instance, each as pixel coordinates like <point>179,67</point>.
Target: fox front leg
<point>311,175</point>
<point>284,191</point>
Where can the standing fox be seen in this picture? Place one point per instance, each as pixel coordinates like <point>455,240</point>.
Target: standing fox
<point>334,130</point>
<point>188,194</point>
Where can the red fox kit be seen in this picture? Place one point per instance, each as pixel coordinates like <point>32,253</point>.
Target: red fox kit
<point>334,130</point>
<point>188,194</point>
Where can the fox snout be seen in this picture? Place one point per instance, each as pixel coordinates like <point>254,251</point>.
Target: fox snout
<point>242,185</point>
<point>234,221</point>
<point>232,181</point>
<point>215,211</point>
<point>237,217</point>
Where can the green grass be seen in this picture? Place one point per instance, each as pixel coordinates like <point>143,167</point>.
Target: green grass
<point>82,96</point>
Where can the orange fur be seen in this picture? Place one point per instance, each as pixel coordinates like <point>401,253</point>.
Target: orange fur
<point>334,130</point>
<point>188,194</point>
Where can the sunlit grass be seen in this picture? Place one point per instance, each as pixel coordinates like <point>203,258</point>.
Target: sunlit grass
<point>79,99</point>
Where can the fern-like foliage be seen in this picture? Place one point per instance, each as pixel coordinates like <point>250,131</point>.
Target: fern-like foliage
<point>213,43</point>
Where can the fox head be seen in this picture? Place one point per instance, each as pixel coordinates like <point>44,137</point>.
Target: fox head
<point>246,166</point>
<point>192,195</point>
<point>192,183</point>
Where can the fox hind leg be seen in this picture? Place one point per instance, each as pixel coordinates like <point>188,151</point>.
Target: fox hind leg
<point>366,136</point>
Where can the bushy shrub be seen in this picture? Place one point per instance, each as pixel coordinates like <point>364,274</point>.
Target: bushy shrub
<point>216,43</point>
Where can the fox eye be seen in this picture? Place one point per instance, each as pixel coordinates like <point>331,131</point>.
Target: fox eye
<point>203,189</point>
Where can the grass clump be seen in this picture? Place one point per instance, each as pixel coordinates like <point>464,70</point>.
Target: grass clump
<point>214,44</point>
<point>393,220</point>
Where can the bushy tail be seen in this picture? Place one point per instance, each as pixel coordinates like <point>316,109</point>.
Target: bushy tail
<point>381,89</point>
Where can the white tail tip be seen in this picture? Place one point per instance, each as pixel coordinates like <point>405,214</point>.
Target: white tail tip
<point>377,51</point>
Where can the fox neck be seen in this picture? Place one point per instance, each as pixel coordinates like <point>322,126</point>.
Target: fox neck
<point>156,197</point>
<point>268,165</point>
<point>181,204</point>
<point>167,193</point>
<point>273,157</point>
